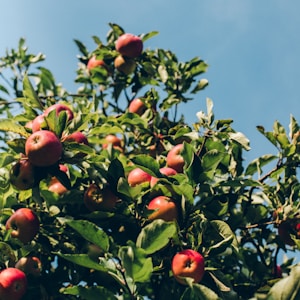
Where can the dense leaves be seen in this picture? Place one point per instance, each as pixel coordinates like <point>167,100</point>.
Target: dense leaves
<point>96,239</point>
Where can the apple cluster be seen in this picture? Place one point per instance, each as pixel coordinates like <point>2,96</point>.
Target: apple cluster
<point>128,47</point>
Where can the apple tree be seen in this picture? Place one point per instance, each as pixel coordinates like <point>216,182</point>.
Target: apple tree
<point>107,192</point>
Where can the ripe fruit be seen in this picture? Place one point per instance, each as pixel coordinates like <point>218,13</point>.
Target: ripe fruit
<point>58,107</point>
<point>22,174</point>
<point>37,123</point>
<point>188,263</point>
<point>55,186</point>
<point>43,148</point>
<point>129,45</point>
<point>94,62</point>
<point>137,106</point>
<point>13,284</point>
<point>96,199</point>
<point>24,224</point>
<point>174,158</point>
<point>165,209</point>
<point>30,265</point>
<point>138,176</point>
<point>114,140</point>
<point>124,65</point>
<point>77,137</point>
<point>165,171</point>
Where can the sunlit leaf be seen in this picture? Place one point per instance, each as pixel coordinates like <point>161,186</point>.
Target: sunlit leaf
<point>156,235</point>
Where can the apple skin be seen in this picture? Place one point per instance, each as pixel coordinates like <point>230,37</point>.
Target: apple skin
<point>43,148</point>
<point>59,107</point>
<point>97,199</point>
<point>167,171</point>
<point>55,186</point>
<point>188,263</point>
<point>24,223</point>
<point>22,175</point>
<point>13,284</point>
<point>129,45</point>
<point>165,209</point>
<point>93,62</point>
<point>174,159</point>
<point>37,123</point>
<point>124,65</point>
<point>114,140</point>
<point>137,106</point>
<point>77,137</point>
<point>30,265</point>
<point>138,176</point>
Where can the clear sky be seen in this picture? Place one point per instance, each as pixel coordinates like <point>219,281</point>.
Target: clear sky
<point>252,48</point>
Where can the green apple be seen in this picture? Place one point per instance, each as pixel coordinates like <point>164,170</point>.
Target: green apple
<point>124,65</point>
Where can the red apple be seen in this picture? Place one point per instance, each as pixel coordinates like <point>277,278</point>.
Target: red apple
<point>55,186</point>
<point>165,209</point>
<point>30,265</point>
<point>24,224</point>
<point>43,148</point>
<point>137,106</point>
<point>124,65</point>
<point>22,174</point>
<point>97,199</point>
<point>138,176</point>
<point>59,107</point>
<point>94,62</point>
<point>165,171</point>
<point>129,45</point>
<point>13,284</point>
<point>188,263</point>
<point>37,123</point>
<point>77,137</point>
<point>175,159</point>
<point>115,141</point>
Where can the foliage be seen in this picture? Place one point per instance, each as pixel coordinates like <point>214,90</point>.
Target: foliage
<point>228,212</point>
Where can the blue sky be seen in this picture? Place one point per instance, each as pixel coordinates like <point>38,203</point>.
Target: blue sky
<point>252,48</point>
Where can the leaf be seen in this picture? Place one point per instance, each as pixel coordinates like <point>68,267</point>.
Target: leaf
<point>210,162</point>
<point>257,164</point>
<point>83,260</point>
<point>287,288</point>
<point>148,164</point>
<point>9,125</point>
<point>90,232</point>
<point>199,292</point>
<point>156,236</point>
<point>136,263</point>
<point>30,94</point>
<point>149,35</point>
<point>89,293</point>
<point>225,232</point>
<point>241,139</point>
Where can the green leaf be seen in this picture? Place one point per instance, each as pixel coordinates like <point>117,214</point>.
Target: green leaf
<point>136,263</point>
<point>287,288</point>
<point>257,164</point>
<point>83,260</point>
<point>148,164</point>
<point>210,162</point>
<point>90,232</point>
<point>241,139</point>
<point>149,35</point>
<point>9,125</point>
<point>89,293</point>
<point>199,292</point>
<point>225,232</point>
<point>156,236</point>
<point>30,94</point>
